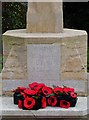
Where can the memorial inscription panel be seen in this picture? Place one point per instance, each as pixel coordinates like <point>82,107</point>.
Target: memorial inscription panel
<point>43,63</point>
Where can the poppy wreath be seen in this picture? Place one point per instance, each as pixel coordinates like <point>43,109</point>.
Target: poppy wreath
<point>38,95</point>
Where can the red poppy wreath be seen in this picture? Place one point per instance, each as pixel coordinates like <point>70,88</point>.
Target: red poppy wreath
<point>38,95</point>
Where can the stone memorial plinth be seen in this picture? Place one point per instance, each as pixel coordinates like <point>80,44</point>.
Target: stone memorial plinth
<point>45,51</point>
<point>9,110</point>
<point>65,60</point>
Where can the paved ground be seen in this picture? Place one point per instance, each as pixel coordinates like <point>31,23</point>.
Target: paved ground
<point>86,118</point>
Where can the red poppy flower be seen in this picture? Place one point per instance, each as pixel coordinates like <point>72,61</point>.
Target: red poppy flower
<point>23,94</point>
<point>29,102</point>
<point>58,90</point>
<point>33,85</point>
<point>30,92</point>
<point>73,95</point>
<point>36,85</point>
<point>67,90</point>
<point>39,92</point>
<point>39,88</point>
<point>21,88</point>
<point>46,90</point>
<point>44,104</point>
<point>64,104</point>
<point>52,100</point>
<point>20,104</point>
<point>41,84</point>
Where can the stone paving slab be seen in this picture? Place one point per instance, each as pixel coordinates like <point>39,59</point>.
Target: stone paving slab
<point>9,109</point>
<point>85,118</point>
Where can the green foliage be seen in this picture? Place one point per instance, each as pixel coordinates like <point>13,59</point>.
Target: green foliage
<point>76,15</point>
<point>13,15</point>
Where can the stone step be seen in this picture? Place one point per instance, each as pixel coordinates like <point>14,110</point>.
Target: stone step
<point>10,110</point>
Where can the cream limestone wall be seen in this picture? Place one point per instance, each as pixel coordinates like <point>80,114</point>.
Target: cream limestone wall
<point>73,44</point>
<point>45,17</point>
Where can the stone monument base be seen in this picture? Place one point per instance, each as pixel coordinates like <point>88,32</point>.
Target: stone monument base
<point>62,59</point>
<point>9,110</point>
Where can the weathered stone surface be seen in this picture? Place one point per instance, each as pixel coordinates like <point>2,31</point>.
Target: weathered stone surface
<point>43,63</point>
<point>44,17</point>
<point>74,60</point>
<point>9,85</point>
<point>9,109</point>
<point>73,57</point>
<point>15,65</point>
